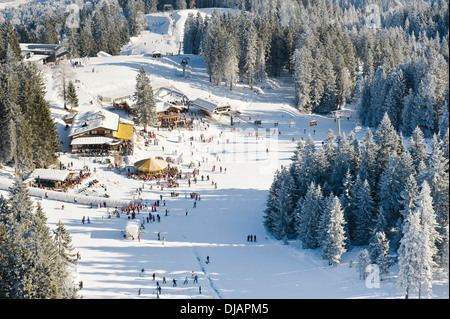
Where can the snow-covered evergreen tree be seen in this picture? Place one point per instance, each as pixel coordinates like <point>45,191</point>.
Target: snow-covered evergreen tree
<point>363,262</point>
<point>145,103</point>
<point>272,211</point>
<point>437,177</point>
<point>417,147</point>
<point>363,213</point>
<point>308,217</point>
<point>231,62</point>
<point>418,246</point>
<point>333,245</point>
<point>72,98</point>
<point>29,266</point>
<point>284,224</point>
<point>387,141</point>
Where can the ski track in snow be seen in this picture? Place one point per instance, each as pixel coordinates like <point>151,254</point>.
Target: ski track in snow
<point>211,283</point>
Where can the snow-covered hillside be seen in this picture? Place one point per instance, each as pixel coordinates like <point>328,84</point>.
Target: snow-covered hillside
<point>224,217</point>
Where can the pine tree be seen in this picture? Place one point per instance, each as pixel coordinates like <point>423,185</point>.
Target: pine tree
<point>417,147</point>
<point>145,103</point>
<point>379,247</point>
<point>284,227</point>
<point>444,118</point>
<point>72,98</point>
<point>40,131</point>
<point>387,141</point>
<point>231,62</point>
<point>333,245</point>
<point>437,177</point>
<point>417,247</point>
<point>87,45</point>
<point>363,213</point>
<point>303,61</point>
<point>308,219</point>
<point>272,210</point>
<point>393,104</point>
<point>368,162</point>
<point>188,35</point>
<point>213,49</point>
<point>363,262</point>
<point>342,163</point>
<point>9,112</point>
<point>73,45</point>
<point>29,266</point>
<point>411,108</point>
<point>63,242</point>
<point>249,54</point>
<point>66,259</point>
<point>390,187</point>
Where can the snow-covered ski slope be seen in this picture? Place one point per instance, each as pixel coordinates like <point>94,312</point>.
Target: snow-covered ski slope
<point>224,217</point>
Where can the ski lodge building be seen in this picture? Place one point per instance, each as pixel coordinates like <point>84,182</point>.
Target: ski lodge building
<point>46,53</point>
<point>99,131</point>
<point>50,178</point>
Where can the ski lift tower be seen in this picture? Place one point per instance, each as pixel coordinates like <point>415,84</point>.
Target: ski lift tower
<point>337,116</point>
<point>184,62</point>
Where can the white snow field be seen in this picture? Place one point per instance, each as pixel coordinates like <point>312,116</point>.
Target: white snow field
<point>219,225</point>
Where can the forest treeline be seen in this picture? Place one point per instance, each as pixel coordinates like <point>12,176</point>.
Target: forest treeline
<point>350,193</point>
<point>28,133</point>
<point>393,58</point>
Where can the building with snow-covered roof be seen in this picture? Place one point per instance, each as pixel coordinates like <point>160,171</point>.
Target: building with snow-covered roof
<point>51,177</point>
<point>210,106</point>
<point>169,115</point>
<point>94,123</point>
<point>95,130</point>
<point>156,54</point>
<point>43,52</point>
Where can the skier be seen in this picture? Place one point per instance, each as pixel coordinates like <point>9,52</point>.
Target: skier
<point>164,280</point>
<point>200,290</point>
<point>174,283</point>
<point>185,281</point>
<point>154,276</point>
<point>207,259</point>
<point>196,279</point>
<point>142,272</point>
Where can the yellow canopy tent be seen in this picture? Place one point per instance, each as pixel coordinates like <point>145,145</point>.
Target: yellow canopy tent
<point>151,165</point>
<point>125,131</point>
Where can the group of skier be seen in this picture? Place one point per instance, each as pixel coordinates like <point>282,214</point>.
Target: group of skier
<point>174,282</point>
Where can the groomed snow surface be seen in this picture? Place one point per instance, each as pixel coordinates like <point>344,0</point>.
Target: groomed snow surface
<point>219,225</point>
